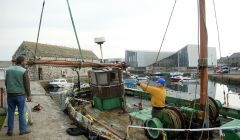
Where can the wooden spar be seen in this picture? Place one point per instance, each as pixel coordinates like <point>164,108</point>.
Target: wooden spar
<point>74,64</point>
<point>203,66</point>
<point>106,127</point>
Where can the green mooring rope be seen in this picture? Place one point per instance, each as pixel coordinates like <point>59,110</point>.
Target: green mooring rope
<point>74,28</point>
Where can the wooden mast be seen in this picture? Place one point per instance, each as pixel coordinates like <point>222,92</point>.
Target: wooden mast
<point>74,64</point>
<point>203,61</point>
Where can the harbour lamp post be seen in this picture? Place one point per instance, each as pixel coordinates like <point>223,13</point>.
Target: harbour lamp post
<point>100,41</point>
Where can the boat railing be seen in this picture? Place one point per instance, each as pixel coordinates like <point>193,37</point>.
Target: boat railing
<point>220,129</point>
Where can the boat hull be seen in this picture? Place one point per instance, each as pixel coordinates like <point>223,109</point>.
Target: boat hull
<point>109,124</point>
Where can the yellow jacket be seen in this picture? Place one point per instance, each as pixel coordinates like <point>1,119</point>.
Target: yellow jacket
<point>158,95</point>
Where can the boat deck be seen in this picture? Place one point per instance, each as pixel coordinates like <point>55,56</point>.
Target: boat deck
<point>117,120</point>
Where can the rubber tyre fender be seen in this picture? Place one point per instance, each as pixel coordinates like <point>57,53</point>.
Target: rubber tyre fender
<point>76,131</point>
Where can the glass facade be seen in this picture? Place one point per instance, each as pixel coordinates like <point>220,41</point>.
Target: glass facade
<point>143,58</point>
<point>131,58</point>
<point>186,57</point>
<point>178,59</point>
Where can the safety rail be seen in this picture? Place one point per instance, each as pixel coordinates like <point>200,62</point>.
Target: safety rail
<point>186,130</point>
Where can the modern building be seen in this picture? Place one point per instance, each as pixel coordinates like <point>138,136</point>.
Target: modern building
<point>52,52</point>
<point>187,57</point>
<point>141,59</point>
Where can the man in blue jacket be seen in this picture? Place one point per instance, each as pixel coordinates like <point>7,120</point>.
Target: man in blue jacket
<point>18,89</point>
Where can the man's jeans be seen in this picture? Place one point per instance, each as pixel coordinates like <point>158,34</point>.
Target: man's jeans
<point>18,101</point>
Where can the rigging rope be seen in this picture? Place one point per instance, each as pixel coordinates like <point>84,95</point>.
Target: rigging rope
<point>39,28</point>
<point>219,44</point>
<point>194,104</point>
<point>161,44</point>
<point>175,118</point>
<point>74,28</point>
<point>195,94</point>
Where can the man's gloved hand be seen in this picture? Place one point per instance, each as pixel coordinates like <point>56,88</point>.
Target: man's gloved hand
<point>138,84</point>
<point>29,98</point>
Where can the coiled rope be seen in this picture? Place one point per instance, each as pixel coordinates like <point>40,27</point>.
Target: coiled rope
<point>169,20</point>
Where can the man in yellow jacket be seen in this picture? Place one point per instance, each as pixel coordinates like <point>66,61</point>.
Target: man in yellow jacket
<point>158,95</point>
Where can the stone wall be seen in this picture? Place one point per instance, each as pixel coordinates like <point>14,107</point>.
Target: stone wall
<point>44,72</point>
<point>23,51</point>
<point>32,73</point>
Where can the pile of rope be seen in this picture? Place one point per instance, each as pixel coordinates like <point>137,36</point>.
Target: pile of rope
<point>213,110</point>
<point>177,121</point>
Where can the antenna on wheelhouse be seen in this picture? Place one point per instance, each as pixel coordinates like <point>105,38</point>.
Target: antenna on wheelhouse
<point>100,41</point>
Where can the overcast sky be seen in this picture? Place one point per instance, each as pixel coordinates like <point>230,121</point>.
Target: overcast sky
<point>125,24</point>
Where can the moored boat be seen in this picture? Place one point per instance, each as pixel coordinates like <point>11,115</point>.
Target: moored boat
<point>60,83</point>
<point>176,78</point>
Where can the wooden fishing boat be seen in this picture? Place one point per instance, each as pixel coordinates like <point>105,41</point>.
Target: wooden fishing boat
<point>107,112</point>
<point>110,111</point>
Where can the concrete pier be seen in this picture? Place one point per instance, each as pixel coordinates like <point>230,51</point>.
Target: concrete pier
<point>231,78</point>
<point>50,123</point>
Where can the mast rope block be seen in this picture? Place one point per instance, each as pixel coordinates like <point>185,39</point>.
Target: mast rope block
<point>202,63</point>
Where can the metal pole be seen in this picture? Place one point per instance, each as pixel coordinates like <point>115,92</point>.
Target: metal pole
<point>101,52</point>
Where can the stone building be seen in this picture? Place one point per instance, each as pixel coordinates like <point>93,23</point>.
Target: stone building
<point>53,52</point>
<point>232,60</point>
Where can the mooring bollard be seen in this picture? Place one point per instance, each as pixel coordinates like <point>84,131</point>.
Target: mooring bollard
<point>1,96</point>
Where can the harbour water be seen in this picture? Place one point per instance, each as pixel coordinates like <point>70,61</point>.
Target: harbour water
<point>184,91</point>
<point>227,94</point>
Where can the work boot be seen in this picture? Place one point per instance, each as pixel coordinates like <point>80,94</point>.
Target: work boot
<point>9,134</point>
<point>26,132</point>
